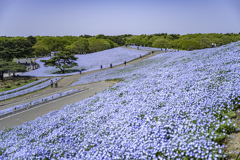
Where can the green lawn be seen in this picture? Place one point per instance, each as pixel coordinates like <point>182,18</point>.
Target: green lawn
<point>15,82</point>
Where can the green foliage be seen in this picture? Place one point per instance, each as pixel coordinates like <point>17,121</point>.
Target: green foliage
<point>193,41</point>
<point>220,138</point>
<point>15,47</point>
<point>161,43</point>
<point>62,60</point>
<point>18,47</point>
<point>17,82</point>
<point>10,66</point>
<point>40,49</point>
<point>99,45</point>
<point>79,46</point>
<point>115,79</point>
<point>189,44</point>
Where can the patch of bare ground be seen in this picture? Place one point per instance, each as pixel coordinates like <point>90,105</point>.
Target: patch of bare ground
<point>232,142</point>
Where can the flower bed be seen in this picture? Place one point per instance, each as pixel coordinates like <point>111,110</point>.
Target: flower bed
<point>172,106</point>
<point>23,87</point>
<point>90,62</point>
<point>35,102</point>
<point>28,90</point>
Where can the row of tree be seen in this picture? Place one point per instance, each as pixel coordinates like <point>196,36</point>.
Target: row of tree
<point>22,47</point>
<point>81,44</point>
<point>14,47</point>
<point>19,47</point>
<point>11,47</point>
<point>184,42</point>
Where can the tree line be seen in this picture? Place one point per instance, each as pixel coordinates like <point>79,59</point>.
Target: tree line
<point>78,45</point>
<point>15,47</point>
<point>183,42</point>
<point>31,46</point>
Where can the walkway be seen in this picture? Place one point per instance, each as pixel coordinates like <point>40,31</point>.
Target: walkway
<point>31,114</point>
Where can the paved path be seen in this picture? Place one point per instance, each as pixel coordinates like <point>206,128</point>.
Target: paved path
<point>42,109</point>
<point>31,114</point>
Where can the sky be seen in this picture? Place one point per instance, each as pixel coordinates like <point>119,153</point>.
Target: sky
<point>117,17</point>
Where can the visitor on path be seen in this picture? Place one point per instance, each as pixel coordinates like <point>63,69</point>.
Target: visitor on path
<point>51,82</point>
<point>212,45</point>
<point>80,71</point>
<point>221,44</point>
<point>111,65</point>
<point>56,83</point>
<point>125,63</point>
<point>101,66</point>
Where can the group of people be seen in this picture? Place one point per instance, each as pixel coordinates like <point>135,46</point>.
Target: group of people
<point>125,63</point>
<point>215,45</point>
<point>56,83</point>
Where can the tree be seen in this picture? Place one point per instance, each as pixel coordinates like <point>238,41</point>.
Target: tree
<point>54,43</point>
<point>99,45</point>
<point>10,66</point>
<point>187,44</point>
<point>8,49</point>
<point>23,47</point>
<point>15,67</point>
<point>161,43</point>
<point>62,60</point>
<point>40,49</point>
<point>79,46</point>
<point>16,47</point>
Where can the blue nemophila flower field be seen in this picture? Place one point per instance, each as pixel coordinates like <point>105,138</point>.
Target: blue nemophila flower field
<point>173,106</point>
<point>90,62</point>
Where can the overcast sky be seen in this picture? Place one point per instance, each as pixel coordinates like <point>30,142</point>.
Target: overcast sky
<point>116,17</point>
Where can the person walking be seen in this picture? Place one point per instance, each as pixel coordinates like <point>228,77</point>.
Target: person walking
<point>56,83</point>
<point>125,63</point>
<point>101,66</point>
<point>51,82</point>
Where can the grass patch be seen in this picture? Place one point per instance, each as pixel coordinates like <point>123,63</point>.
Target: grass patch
<point>115,80</point>
<point>12,83</point>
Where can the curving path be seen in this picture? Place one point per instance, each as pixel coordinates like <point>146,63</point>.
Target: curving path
<point>31,114</point>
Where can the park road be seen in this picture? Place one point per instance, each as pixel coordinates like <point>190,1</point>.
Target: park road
<point>33,113</point>
<point>42,109</point>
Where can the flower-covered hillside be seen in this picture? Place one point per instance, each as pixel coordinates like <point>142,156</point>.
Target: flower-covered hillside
<point>91,61</point>
<point>172,106</point>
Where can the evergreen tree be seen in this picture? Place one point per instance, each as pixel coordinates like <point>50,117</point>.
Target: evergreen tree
<point>62,60</point>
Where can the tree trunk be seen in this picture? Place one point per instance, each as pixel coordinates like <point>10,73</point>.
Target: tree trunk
<point>62,70</point>
<point>1,75</point>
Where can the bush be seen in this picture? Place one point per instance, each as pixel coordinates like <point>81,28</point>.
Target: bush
<point>187,44</point>
<point>161,43</point>
<point>6,86</point>
<point>17,83</point>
